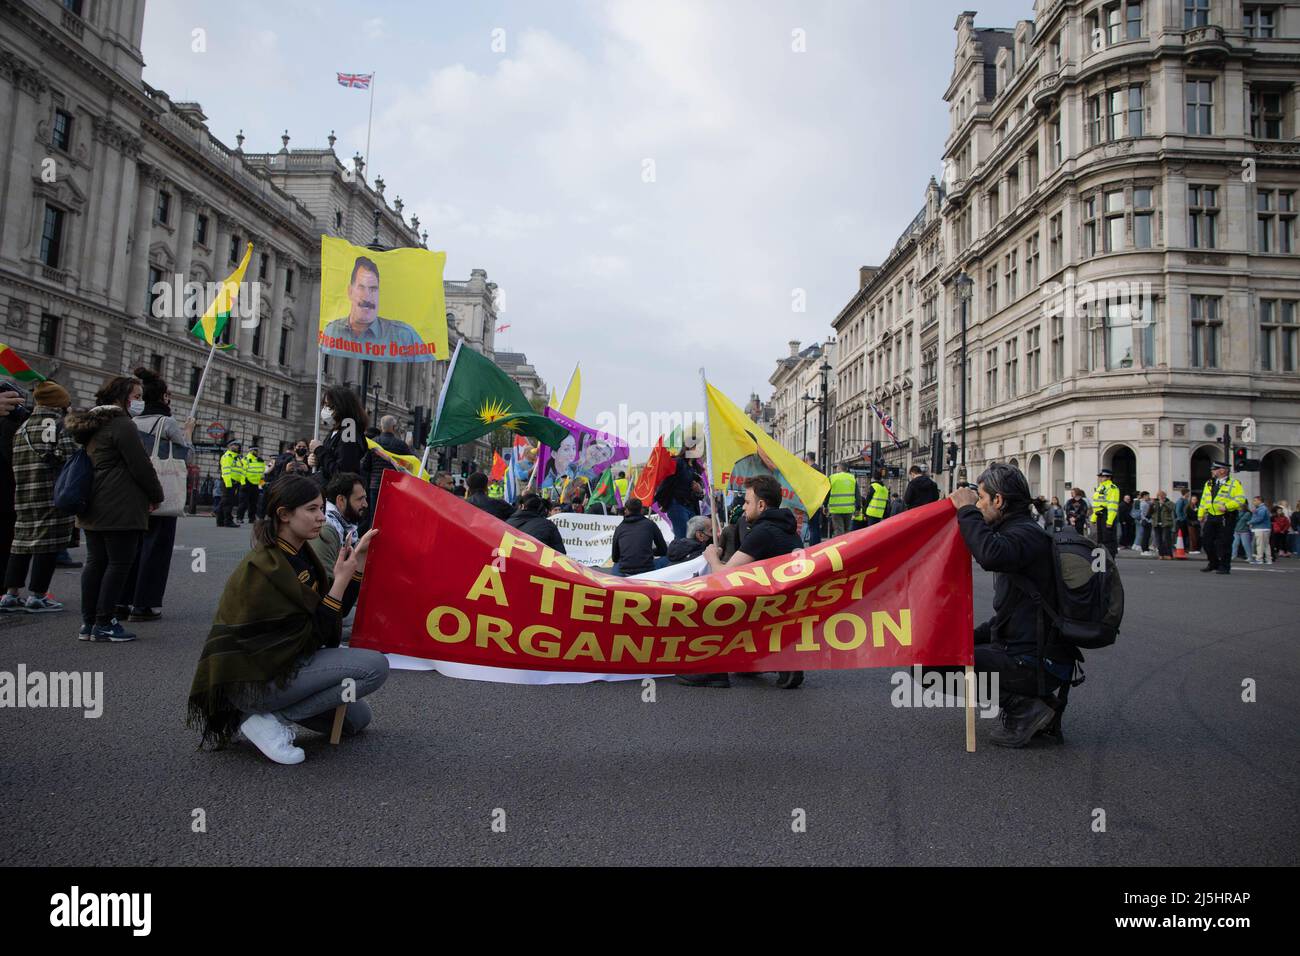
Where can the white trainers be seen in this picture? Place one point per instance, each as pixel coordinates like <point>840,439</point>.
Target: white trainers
<point>273,738</point>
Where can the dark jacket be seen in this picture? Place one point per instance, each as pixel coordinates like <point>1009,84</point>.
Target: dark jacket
<point>1016,546</point>
<point>772,533</point>
<point>678,488</point>
<point>334,455</point>
<point>493,506</point>
<point>538,526</point>
<point>921,490</point>
<point>125,483</point>
<point>1162,513</point>
<point>637,542</point>
<point>685,549</point>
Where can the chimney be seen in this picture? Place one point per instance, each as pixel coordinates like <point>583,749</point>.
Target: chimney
<point>794,348</point>
<point>866,274</point>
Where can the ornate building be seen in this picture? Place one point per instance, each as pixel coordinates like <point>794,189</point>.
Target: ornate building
<point>796,407</point>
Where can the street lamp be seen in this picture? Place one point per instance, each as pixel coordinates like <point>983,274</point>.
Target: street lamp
<point>808,401</point>
<point>377,387</point>
<point>964,286</point>
<point>826,370</point>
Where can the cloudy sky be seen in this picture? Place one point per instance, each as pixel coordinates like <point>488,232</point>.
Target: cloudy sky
<point>648,182</point>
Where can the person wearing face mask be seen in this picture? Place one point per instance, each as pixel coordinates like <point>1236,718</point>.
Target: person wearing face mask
<point>142,595</point>
<point>345,510</point>
<point>124,492</point>
<point>345,442</point>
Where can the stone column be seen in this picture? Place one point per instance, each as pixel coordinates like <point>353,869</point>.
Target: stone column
<point>185,252</point>
<point>123,222</point>
<point>142,236</point>
<point>242,334</point>
<point>16,222</point>
<point>275,328</point>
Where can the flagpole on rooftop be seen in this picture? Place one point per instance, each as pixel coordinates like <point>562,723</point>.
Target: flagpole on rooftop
<point>369,120</point>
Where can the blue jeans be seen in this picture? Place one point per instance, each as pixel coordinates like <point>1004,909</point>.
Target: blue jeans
<point>1241,539</point>
<point>310,698</point>
<point>679,514</point>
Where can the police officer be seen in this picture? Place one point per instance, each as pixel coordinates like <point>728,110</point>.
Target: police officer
<point>875,510</point>
<point>842,502</point>
<point>1105,510</point>
<point>254,473</point>
<point>1221,502</point>
<point>232,481</point>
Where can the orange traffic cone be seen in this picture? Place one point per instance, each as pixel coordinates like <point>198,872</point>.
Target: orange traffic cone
<point>1180,553</point>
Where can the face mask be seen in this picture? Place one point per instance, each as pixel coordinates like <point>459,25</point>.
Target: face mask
<point>136,408</point>
<point>327,416</point>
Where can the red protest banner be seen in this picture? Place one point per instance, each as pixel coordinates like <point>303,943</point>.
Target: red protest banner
<point>447,581</point>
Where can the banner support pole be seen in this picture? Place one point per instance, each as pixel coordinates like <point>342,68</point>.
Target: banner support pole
<point>194,409</point>
<point>708,454</point>
<point>315,428</point>
<point>970,708</point>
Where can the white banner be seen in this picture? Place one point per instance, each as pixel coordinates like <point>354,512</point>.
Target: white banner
<point>589,539</point>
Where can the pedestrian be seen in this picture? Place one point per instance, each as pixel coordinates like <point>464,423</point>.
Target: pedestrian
<point>272,657</point>
<point>125,491</point>
<point>1163,522</point>
<point>1106,510</point>
<point>1281,527</point>
<point>637,542</point>
<point>1261,528</point>
<point>1221,501</point>
<point>1142,515</point>
<point>690,547</point>
<point>772,531</point>
<point>1076,511</point>
<point>142,593</point>
<point>479,498</point>
<point>878,501</point>
<point>254,472</point>
<point>345,510</point>
<point>13,412</point>
<point>1193,525</point>
<point>921,489</point>
<point>374,463</point>
<point>1293,537</point>
<point>345,442</point>
<point>842,501</point>
<point>1003,537</point>
<point>41,448</point>
<point>816,530</point>
<point>1127,523</point>
<point>1180,516</point>
<point>1241,539</point>
<point>444,481</point>
<point>679,494</point>
<point>531,519</point>
<point>230,489</point>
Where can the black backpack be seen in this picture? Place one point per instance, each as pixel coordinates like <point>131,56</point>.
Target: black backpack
<point>1089,594</point>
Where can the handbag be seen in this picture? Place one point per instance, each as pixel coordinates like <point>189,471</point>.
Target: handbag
<point>172,476</point>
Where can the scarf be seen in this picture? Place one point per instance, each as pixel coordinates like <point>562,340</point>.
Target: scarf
<point>334,518</point>
<point>263,629</point>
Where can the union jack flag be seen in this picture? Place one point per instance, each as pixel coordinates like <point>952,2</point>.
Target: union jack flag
<point>357,81</point>
<point>502,328</point>
<point>886,422</point>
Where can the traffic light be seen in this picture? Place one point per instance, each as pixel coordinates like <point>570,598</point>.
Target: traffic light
<point>936,453</point>
<point>952,454</point>
<point>1239,458</point>
<point>877,456</point>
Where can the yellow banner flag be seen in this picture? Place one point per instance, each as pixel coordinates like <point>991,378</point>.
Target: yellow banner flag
<point>569,406</point>
<point>407,463</point>
<point>217,315</point>
<point>739,449</point>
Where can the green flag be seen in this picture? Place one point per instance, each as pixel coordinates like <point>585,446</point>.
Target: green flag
<point>478,398</point>
<point>604,491</point>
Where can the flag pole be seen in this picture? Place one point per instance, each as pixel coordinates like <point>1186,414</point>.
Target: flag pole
<point>708,452</point>
<point>369,120</point>
<point>442,397</point>
<point>315,428</point>
<point>194,409</point>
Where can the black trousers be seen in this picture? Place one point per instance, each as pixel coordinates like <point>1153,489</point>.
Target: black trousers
<point>42,568</point>
<point>1017,672</point>
<point>226,511</point>
<point>1106,537</point>
<point>248,502</point>
<point>146,582</point>
<point>1216,542</point>
<point>109,556</point>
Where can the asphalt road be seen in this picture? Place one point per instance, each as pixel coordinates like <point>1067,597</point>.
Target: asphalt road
<point>1158,738</point>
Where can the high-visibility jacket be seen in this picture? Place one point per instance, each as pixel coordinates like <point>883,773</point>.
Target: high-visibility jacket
<point>232,468</point>
<point>621,485</point>
<point>496,490</point>
<point>254,469</point>
<point>842,499</point>
<point>1231,497</point>
<point>1105,498</point>
<point>879,500</point>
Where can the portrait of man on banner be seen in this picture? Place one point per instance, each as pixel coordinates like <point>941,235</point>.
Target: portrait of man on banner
<point>584,453</point>
<point>382,306</point>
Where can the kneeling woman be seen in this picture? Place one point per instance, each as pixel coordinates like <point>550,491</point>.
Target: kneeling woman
<point>272,658</point>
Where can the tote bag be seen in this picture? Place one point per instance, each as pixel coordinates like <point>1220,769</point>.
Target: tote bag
<point>171,475</point>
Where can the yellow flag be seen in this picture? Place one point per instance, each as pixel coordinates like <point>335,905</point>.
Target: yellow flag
<point>739,449</point>
<point>217,315</point>
<point>569,406</point>
<point>408,463</point>
<point>554,402</point>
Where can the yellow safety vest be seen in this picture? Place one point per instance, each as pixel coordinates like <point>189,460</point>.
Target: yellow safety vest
<point>621,485</point>
<point>232,469</point>
<point>844,488</point>
<point>879,499</point>
<point>1105,497</point>
<point>254,469</point>
<point>1231,497</point>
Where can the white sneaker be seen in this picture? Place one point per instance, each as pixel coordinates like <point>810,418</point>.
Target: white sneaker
<point>273,738</point>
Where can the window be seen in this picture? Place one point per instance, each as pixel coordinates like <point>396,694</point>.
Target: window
<point>230,391</point>
<point>1055,254</point>
<point>1114,24</point>
<point>1094,119</point>
<point>1033,356</point>
<point>1200,103</point>
<point>338,221</point>
<point>1115,114</point>
<point>1259,21</point>
<point>288,281</point>
<point>1010,264</point>
<point>1136,114</point>
<point>1289,334</point>
<point>259,398</point>
<point>1058,347</point>
<point>1276,220</point>
<point>991,377</point>
<point>1196,13</point>
<point>1013,187</point>
<point>1143,218</point>
<point>201,230</point>
<point>1278,334</point>
<point>61,134</point>
<point>1118,323</point>
<point>1056,52</point>
<point>1031,263</point>
<point>196,373</point>
<point>263,265</point>
<point>1056,142</point>
<point>47,342</point>
<point>150,297</point>
<point>284,347</point>
<point>1090,227</point>
<point>156,363</point>
<point>163,213</point>
<point>1265,114</point>
<point>994,206</point>
<point>235,254</point>
<point>1205,331</point>
<point>1114,221</point>
<point>1133,21</point>
<point>52,237</point>
<point>73,6</point>
<point>1202,216</point>
<point>1031,168</point>
<point>991,290</point>
<point>1013,367</point>
<point>284,406</point>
